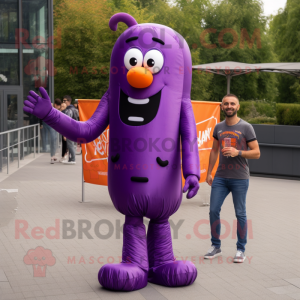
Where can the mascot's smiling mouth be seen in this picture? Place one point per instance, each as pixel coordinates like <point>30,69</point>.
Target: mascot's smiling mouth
<point>137,112</point>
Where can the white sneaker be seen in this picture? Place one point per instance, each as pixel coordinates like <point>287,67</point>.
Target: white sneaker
<point>52,161</point>
<point>69,162</point>
<point>213,252</point>
<point>239,257</point>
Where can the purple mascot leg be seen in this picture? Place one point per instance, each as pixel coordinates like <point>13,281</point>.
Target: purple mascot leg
<point>164,269</point>
<point>132,273</point>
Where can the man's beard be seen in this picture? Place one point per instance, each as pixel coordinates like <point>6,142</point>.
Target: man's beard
<point>231,114</point>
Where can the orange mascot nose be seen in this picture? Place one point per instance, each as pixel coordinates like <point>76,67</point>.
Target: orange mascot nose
<point>139,77</point>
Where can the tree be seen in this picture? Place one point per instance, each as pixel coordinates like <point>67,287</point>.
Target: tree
<point>285,32</point>
<point>231,23</point>
<point>185,18</point>
<point>83,60</point>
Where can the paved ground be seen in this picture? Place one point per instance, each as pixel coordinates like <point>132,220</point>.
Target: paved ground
<point>47,193</point>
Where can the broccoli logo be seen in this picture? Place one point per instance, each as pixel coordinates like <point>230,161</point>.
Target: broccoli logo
<point>39,258</point>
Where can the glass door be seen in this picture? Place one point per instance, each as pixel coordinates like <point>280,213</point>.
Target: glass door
<point>11,119</point>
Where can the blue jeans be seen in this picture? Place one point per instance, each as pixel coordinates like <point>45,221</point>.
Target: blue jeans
<point>53,141</point>
<point>49,135</point>
<point>70,145</point>
<point>45,136</point>
<point>220,188</point>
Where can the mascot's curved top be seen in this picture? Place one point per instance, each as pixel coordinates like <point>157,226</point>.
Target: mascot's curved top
<point>156,36</point>
<point>121,17</point>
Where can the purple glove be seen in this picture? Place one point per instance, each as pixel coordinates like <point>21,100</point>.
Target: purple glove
<point>80,132</point>
<point>35,105</point>
<point>191,184</point>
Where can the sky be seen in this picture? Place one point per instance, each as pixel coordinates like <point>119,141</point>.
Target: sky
<point>272,6</point>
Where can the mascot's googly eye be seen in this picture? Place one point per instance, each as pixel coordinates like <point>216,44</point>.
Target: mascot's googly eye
<point>153,61</point>
<point>133,58</point>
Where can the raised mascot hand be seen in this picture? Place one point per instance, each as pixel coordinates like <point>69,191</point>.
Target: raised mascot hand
<point>36,105</point>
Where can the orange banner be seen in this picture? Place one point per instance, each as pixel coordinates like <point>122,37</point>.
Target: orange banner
<point>95,154</point>
<point>207,115</point>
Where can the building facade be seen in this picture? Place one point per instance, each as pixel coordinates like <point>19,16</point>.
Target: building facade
<point>26,57</point>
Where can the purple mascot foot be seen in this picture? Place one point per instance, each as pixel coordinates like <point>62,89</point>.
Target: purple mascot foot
<point>122,277</point>
<point>164,269</point>
<point>132,273</point>
<point>177,273</point>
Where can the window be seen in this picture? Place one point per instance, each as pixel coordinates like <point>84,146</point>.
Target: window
<point>35,20</point>
<point>9,65</point>
<point>9,54</point>
<point>36,66</point>
<point>37,69</point>
<point>8,21</point>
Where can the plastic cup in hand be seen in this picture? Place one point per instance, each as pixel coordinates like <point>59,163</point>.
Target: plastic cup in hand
<point>227,143</point>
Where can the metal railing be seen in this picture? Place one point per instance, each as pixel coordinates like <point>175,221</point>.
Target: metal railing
<point>36,135</point>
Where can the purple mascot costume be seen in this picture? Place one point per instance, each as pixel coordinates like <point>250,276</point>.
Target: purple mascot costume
<point>148,109</point>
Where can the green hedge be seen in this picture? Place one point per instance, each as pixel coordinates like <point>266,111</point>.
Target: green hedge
<point>262,120</point>
<point>265,112</point>
<point>256,112</point>
<point>288,114</point>
<point>253,109</point>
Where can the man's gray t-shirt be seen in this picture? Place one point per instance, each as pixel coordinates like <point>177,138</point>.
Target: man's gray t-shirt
<point>240,134</point>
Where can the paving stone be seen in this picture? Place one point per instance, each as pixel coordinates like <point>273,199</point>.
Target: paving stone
<point>48,192</point>
<point>287,289</point>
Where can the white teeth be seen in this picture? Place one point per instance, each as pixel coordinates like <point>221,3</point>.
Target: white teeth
<point>136,119</point>
<point>138,101</point>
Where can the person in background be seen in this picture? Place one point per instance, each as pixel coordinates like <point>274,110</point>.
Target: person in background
<point>54,134</point>
<point>63,107</point>
<point>44,136</point>
<point>232,138</point>
<point>64,148</point>
<point>76,103</point>
<point>72,112</point>
<point>78,146</point>
<point>57,104</point>
<point>45,133</point>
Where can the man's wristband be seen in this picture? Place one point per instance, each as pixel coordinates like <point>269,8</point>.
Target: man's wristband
<point>240,153</point>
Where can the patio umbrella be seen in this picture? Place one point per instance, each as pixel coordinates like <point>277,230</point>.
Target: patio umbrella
<point>232,68</point>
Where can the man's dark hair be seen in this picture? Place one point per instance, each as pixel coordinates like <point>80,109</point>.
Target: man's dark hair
<point>68,98</point>
<point>57,101</point>
<point>231,95</point>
